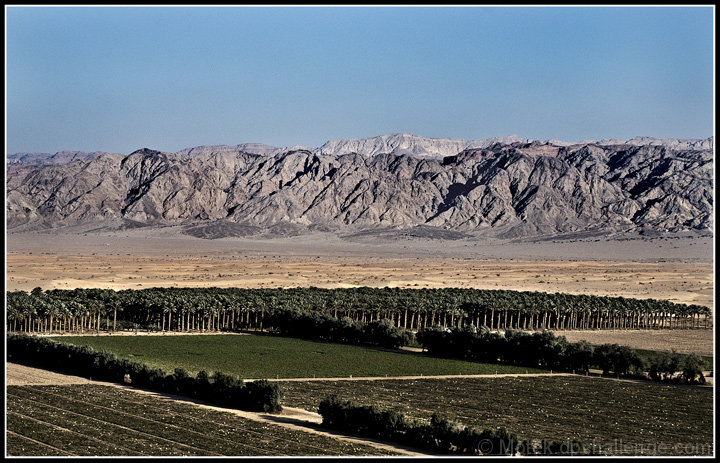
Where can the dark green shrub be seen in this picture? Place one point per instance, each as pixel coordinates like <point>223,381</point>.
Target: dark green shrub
<point>316,325</point>
<point>662,366</point>
<point>620,360</point>
<point>440,435</point>
<point>385,333</point>
<point>579,356</point>
<point>220,389</point>
<point>264,396</point>
<point>692,370</point>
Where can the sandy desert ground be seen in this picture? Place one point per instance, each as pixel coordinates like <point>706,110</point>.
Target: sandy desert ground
<point>140,259</point>
<point>679,269</point>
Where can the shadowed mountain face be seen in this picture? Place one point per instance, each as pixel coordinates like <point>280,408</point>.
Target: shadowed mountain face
<point>523,189</point>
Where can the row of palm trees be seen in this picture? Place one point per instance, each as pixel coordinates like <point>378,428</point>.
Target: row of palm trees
<point>218,309</point>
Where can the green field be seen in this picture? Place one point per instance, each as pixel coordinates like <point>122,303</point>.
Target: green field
<point>647,354</point>
<point>96,420</point>
<point>604,411</point>
<point>257,356</point>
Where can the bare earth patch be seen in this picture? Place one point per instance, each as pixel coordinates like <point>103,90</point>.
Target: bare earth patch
<point>21,375</point>
<point>684,341</point>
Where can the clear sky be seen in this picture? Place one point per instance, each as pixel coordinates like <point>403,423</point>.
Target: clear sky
<point>122,78</point>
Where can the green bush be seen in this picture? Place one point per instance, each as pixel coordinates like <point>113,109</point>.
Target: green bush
<point>220,389</point>
<point>316,325</point>
<point>692,370</point>
<point>440,435</point>
<point>662,367</point>
<point>539,349</point>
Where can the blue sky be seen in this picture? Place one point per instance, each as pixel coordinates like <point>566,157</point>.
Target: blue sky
<point>121,78</point>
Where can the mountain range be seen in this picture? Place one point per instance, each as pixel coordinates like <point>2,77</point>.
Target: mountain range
<point>505,187</point>
<point>398,143</point>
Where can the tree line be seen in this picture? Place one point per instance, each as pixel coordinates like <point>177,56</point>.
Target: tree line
<point>219,388</point>
<point>345,330</point>
<point>232,309</point>
<point>545,350</point>
<point>440,435</point>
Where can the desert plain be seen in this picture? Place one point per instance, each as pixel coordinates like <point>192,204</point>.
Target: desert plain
<point>678,268</point>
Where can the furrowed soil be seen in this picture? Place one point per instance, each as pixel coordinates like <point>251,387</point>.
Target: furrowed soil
<point>55,414</point>
<point>22,375</point>
<point>621,417</point>
<point>97,420</point>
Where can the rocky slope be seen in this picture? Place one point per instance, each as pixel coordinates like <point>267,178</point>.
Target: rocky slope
<point>521,189</point>
<point>252,148</point>
<point>61,157</point>
<point>403,143</point>
<point>672,143</point>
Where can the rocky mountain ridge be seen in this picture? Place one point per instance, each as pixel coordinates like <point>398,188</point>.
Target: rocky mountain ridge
<point>517,190</point>
<point>61,157</point>
<point>403,143</point>
<point>398,144</point>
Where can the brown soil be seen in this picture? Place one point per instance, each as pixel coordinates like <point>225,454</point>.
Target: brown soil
<point>690,283</point>
<point>21,375</point>
<point>684,341</point>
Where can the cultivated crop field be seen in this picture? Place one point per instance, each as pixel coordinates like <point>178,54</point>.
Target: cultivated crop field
<point>257,356</point>
<point>623,417</point>
<point>104,420</point>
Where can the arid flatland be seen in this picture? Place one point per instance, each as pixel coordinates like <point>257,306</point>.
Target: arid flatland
<point>682,273</point>
<point>676,269</point>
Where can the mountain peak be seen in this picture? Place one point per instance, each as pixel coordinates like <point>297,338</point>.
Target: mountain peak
<point>146,152</point>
